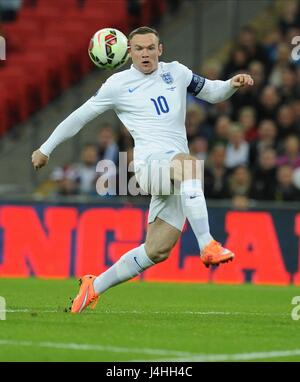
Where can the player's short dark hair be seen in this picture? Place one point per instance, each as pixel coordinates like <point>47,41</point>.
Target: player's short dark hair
<point>143,30</point>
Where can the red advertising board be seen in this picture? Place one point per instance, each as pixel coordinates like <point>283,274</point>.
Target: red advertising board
<point>59,241</point>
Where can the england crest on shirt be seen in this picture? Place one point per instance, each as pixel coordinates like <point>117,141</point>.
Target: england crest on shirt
<point>167,78</point>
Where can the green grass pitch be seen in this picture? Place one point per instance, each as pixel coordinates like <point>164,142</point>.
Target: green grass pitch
<point>149,321</point>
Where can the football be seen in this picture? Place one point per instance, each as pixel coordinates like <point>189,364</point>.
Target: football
<point>108,48</point>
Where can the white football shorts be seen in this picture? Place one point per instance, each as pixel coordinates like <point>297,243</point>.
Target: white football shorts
<point>153,176</point>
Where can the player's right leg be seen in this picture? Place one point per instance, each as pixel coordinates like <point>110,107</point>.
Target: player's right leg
<point>161,238</point>
<point>129,265</point>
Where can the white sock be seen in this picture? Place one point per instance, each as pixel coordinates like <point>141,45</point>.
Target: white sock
<point>194,208</point>
<point>133,263</point>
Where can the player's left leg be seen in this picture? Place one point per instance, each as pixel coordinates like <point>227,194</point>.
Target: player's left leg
<point>161,238</point>
<point>185,170</point>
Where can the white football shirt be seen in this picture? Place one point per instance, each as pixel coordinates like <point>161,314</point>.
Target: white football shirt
<point>151,106</point>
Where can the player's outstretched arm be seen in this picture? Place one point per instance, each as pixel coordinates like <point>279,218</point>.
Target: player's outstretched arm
<point>215,91</point>
<point>100,102</point>
<point>65,130</point>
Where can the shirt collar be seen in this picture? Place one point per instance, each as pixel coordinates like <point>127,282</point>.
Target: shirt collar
<point>153,74</point>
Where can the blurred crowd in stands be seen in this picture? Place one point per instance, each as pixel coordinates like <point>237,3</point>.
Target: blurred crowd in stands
<point>250,143</point>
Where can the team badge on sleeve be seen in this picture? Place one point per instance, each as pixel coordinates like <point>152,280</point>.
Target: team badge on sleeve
<point>167,78</point>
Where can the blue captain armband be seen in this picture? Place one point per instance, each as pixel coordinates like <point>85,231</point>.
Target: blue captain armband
<point>196,84</point>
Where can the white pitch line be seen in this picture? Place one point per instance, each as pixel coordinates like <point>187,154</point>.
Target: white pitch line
<point>207,313</point>
<point>232,357</point>
<point>28,311</point>
<point>97,347</point>
<point>181,356</point>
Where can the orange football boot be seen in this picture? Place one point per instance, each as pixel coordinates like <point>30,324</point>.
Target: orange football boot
<point>86,295</point>
<point>215,254</point>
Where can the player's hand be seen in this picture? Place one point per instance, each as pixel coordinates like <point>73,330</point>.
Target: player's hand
<point>39,159</point>
<point>241,80</point>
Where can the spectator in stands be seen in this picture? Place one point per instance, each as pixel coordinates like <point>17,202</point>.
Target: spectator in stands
<point>239,183</point>
<point>237,150</point>
<point>211,70</point>
<point>249,97</point>
<point>221,108</point>
<point>196,124</point>
<point>288,88</point>
<point>222,128</point>
<point>84,173</point>
<point>257,72</point>
<point>65,185</point>
<point>106,143</point>
<point>237,62</point>
<point>291,154</point>
<point>247,39</point>
<point>285,189</point>
<point>245,98</point>
<point>247,120</point>
<point>264,176</point>
<point>290,16</point>
<point>283,59</point>
<point>269,103</point>
<point>286,121</point>
<point>266,139</point>
<point>271,42</point>
<point>9,9</point>
<point>215,179</point>
<point>199,147</point>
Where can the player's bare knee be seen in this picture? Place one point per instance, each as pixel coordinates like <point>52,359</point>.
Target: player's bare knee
<point>184,167</point>
<point>159,256</point>
<point>158,253</point>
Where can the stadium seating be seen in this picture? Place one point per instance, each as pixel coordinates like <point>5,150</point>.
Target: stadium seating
<point>19,33</point>
<point>39,65</point>
<point>47,50</point>
<point>17,93</point>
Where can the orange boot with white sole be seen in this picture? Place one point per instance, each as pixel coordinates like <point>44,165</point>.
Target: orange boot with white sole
<point>86,295</point>
<point>215,254</point>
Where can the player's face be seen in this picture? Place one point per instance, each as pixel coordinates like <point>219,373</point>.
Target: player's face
<point>145,50</point>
